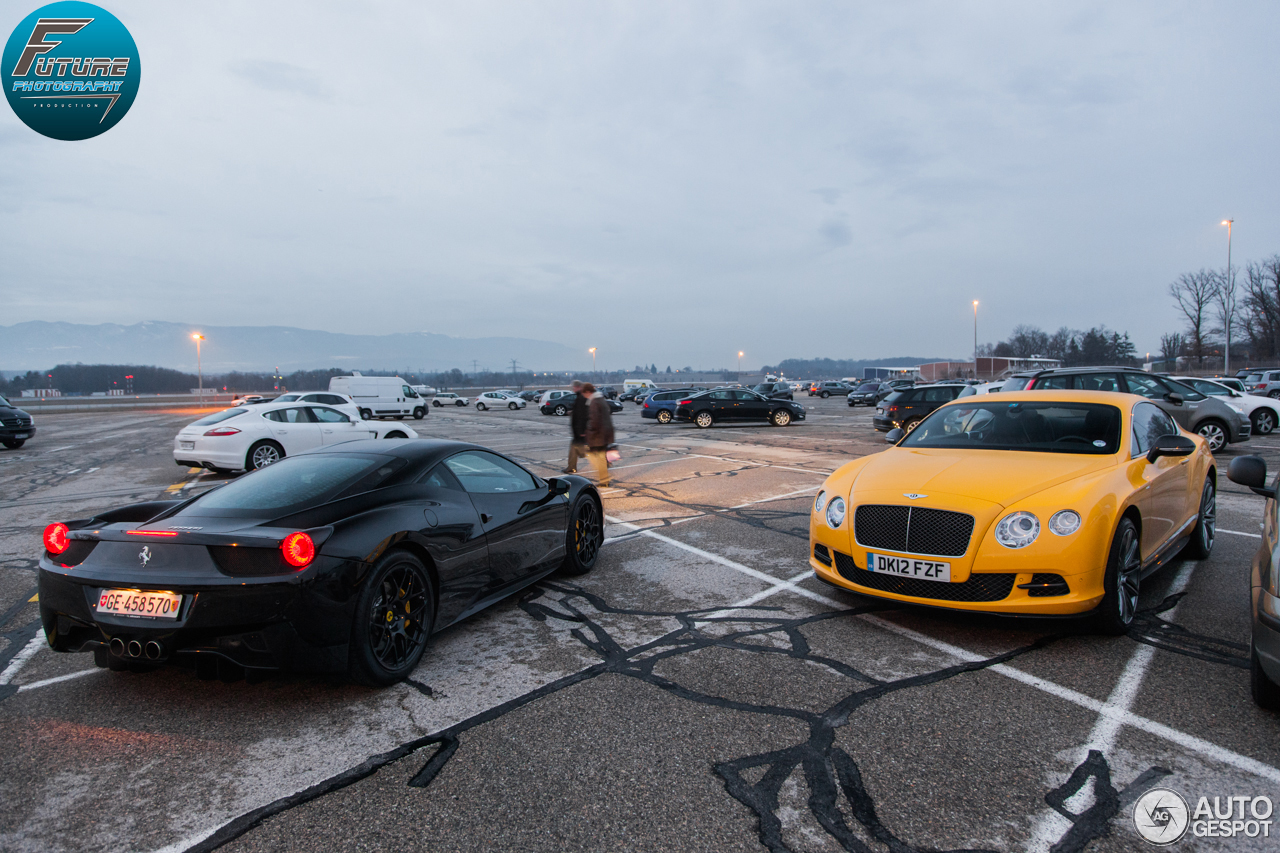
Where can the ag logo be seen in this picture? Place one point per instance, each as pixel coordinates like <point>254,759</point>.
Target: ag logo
<point>145,555</point>
<point>70,70</point>
<point>1161,816</point>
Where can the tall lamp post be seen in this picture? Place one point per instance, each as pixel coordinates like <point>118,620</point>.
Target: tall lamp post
<point>199,366</point>
<point>593,362</point>
<point>1228,299</point>
<point>739,363</point>
<point>975,339</point>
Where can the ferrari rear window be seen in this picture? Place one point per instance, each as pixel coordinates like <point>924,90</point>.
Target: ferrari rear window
<point>291,483</point>
<point>1043,427</point>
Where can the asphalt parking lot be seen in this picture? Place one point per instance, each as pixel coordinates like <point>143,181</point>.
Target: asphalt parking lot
<point>698,690</point>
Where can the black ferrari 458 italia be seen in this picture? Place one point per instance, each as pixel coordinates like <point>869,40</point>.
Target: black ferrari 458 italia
<point>343,559</point>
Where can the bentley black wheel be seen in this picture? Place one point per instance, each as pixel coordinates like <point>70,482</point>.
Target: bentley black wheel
<point>586,535</point>
<point>393,621</point>
<point>1122,583</point>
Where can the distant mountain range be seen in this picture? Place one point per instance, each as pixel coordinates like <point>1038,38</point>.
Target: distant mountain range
<point>39,345</point>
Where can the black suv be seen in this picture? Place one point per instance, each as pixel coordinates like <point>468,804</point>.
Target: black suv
<point>906,408</point>
<point>1209,417</point>
<point>15,425</point>
<point>870,393</point>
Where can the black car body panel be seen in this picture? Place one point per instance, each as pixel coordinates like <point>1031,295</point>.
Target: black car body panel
<point>15,424</point>
<point>243,603</point>
<point>735,405</point>
<point>912,404</point>
<point>775,390</point>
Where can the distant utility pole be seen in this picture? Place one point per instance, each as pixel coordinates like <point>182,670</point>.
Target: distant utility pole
<point>475,367</point>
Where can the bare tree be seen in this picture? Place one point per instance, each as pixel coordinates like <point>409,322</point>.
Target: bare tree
<point>1260,307</point>
<point>1196,294</point>
<point>1171,346</point>
<point>1028,342</point>
<point>1226,307</point>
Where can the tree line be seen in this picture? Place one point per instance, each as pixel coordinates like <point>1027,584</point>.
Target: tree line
<point>1240,310</point>
<point>1072,347</point>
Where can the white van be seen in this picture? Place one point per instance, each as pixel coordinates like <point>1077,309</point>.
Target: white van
<point>380,396</point>
<point>638,385</point>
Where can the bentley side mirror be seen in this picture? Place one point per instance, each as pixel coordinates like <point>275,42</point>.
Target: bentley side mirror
<point>1171,445</point>
<point>895,435</point>
<point>1174,397</point>
<point>1251,471</point>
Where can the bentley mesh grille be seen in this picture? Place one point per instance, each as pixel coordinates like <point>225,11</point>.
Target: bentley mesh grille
<point>988,587</point>
<point>913,529</point>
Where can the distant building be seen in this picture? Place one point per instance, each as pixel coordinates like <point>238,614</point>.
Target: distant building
<point>889,372</point>
<point>988,369</point>
<point>41,393</point>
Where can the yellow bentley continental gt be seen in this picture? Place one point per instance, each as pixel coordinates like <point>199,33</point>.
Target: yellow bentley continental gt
<point>1035,503</point>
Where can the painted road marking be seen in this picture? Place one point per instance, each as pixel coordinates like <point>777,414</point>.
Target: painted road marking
<point>21,658</point>
<point>36,685</point>
<point>35,597</point>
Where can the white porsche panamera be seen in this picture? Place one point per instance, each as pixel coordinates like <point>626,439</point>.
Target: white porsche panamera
<point>250,437</point>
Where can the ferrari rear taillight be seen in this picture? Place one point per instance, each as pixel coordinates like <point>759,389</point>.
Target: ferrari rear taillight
<point>298,549</point>
<point>55,538</point>
<point>222,431</point>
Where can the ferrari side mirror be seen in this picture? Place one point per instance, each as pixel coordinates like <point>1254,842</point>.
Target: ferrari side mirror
<point>1250,471</point>
<point>1171,445</point>
<point>558,487</point>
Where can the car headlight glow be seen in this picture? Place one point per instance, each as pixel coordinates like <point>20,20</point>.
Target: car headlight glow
<point>1017,530</point>
<point>1065,522</point>
<point>820,501</point>
<point>835,512</point>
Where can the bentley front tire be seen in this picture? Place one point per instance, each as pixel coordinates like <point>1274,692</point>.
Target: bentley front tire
<point>585,536</point>
<point>1122,582</point>
<point>393,621</point>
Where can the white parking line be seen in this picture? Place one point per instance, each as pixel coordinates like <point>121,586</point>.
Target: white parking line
<point>20,659</point>
<point>774,498</point>
<point>36,685</point>
<point>1240,533</point>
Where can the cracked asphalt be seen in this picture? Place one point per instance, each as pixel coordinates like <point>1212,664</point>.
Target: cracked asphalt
<point>698,690</point>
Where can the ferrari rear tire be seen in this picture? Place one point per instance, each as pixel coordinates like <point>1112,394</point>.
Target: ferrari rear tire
<point>1266,693</point>
<point>664,417</point>
<point>781,418</point>
<point>585,536</point>
<point>419,413</point>
<point>262,454</point>
<point>1201,544</point>
<point>393,621</point>
<point>1122,582</point>
<point>703,420</point>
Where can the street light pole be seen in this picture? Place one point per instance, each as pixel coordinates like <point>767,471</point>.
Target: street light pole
<point>593,362</point>
<point>739,364</point>
<point>199,366</point>
<point>975,339</point>
<point>1228,300</point>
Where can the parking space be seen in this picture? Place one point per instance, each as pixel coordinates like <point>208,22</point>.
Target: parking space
<point>698,690</point>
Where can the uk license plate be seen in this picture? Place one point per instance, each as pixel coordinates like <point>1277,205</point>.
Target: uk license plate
<point>909,567</point>
<point>131,602</point>
<point>188,445</point>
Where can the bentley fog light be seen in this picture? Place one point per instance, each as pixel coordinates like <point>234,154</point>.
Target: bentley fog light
<point>1017,530</point>
<point>1065,522</point>
<point>820,501</point>
<point>835,512</point>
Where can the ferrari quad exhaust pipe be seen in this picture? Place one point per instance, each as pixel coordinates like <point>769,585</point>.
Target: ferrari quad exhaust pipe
<point>135,649</point>
<point>117,647</point>
<point>154,650</point>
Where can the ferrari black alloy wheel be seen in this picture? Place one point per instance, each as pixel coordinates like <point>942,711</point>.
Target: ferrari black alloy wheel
<point>1122,583</point>
<point>586,535</point>
<point>393,620</point>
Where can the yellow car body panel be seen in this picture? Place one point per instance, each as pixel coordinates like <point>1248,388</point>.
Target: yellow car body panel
<point>989,484</point>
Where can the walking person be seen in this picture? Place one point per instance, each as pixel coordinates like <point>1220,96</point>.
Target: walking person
<point>599,432</point>
<point>578,428</point>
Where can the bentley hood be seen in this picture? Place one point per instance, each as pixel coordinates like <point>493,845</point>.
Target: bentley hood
<point>1000,477</point>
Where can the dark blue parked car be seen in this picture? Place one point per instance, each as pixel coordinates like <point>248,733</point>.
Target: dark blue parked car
<point>661,405</point>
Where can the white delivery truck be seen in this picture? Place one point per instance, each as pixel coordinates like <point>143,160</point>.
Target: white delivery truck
<point>380,396</point>
<point>638,385</point>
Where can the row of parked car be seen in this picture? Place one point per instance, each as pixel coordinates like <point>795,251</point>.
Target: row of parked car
<point>1219,409</point>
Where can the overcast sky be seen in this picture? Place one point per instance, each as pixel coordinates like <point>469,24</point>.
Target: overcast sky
<point>668,182</point>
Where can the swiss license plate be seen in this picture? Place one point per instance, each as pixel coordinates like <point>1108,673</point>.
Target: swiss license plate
<point>909,567</point>
<point>188,445</point>
<point>131,602</point>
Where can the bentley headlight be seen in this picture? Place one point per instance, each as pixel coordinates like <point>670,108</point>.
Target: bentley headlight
<point>835,512</point>
<point>1065,522</point>
<point>1017,530</point>
<point>820,501</point>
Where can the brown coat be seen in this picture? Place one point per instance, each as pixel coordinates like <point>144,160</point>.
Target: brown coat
<point>599,423</point>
